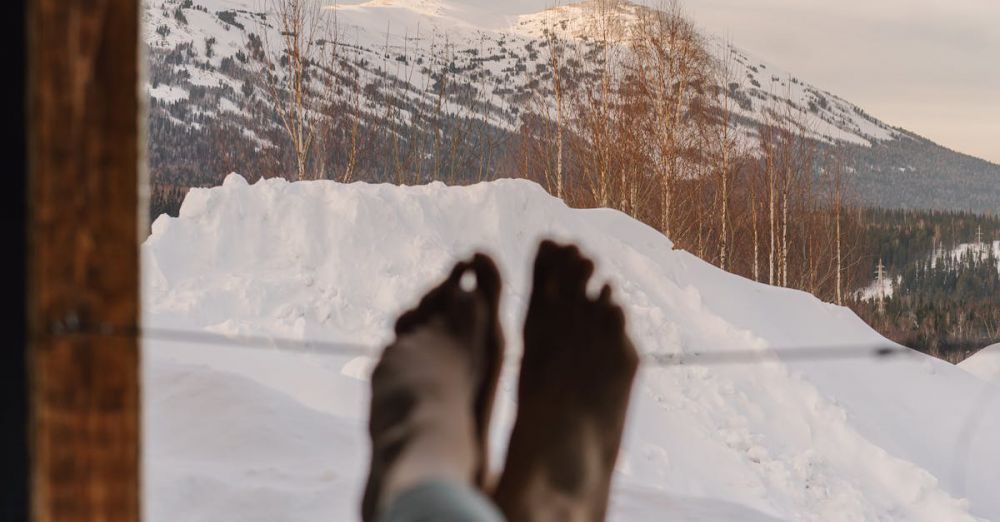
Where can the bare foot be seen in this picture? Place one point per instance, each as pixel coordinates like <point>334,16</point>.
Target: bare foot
<point>573,393</point>
<point>433,389</point>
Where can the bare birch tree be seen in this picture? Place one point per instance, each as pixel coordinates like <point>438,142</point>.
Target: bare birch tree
<point>670,60</point>
<point>285,68</point>
<point>723,144</point>
<point>555,48</point>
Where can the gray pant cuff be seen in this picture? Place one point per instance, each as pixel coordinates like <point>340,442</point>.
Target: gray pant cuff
<point>441,501</point>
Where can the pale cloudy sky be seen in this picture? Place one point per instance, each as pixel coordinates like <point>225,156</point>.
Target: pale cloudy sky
<point>929,66</point>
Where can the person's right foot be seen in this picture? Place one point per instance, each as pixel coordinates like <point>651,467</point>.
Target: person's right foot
<point>433,389</point>
<point>576,378</point>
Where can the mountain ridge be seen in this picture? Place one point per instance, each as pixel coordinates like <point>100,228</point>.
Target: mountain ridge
<point>497,57</point>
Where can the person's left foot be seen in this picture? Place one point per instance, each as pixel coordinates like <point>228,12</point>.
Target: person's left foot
<point>573,394</point>
<point>433,389</point>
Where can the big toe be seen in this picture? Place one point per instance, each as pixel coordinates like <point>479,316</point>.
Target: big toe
<point>561,271</point>
<point>576,273</point>
<point>439,301</point>
<point>487,278</point>
<point>546,264</point>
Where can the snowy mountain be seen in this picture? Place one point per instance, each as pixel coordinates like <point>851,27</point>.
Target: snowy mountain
<point>201,91</point>
<point>235,434</point>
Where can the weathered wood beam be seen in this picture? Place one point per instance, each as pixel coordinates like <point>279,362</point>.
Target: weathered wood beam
<point>84,144</point>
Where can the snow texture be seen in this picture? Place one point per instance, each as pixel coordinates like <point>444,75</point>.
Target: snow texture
<point>985,364</point>
<point>240,434</point>
<point>168,93</point>
<point>975,251</point>
<point>879,289</point>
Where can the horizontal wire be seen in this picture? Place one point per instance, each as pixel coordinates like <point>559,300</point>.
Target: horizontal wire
<point>970,425</point>
<point>315,347</point>
<point>817,353</point>
<point>217,339</point>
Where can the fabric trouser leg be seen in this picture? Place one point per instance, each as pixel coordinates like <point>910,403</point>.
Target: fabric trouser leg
<point>440,501</point>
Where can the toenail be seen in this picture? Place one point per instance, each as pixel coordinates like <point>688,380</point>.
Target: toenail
<point>468,281</point>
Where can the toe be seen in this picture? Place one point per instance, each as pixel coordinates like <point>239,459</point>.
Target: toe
<point>583,268</point>
<point>488,288</point>
<point>437,300</point>
<point>574,273</point>
<point>466,312</point>
<point>487,278</point>
<point>561,271</point>
<point>442,296</point>
<point>546,263</point>
<point>615,318</point>
<point>604,299</point>
<point>408,322</point>
<point>611,319</point>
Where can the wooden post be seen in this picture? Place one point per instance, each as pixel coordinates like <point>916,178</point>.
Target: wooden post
<point>83,265</point>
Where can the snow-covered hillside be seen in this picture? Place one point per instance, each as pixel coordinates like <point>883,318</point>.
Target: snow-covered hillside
<point>977,251</point>
<point>239,434</point>
<point>984,364</point>
<point>490,45</point>
<point>204,88</point>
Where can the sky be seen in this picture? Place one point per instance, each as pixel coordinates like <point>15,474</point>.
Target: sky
<point>929,66</point>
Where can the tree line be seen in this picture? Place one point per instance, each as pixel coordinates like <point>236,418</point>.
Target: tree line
<point>636,111</point>
<point>945,277</point>
<point>654,130</point>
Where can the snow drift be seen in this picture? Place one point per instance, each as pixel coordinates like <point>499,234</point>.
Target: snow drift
<point>984,364</point>
<point>242,434</point>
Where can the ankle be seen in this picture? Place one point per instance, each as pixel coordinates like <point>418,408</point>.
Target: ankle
<point>443,448</point>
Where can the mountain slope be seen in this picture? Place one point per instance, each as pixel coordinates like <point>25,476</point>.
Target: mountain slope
<point>851,439</point>
<point>202,93</point>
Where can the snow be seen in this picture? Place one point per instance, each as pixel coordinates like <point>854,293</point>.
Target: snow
<point>227,105</point>
<point>241,434</point>
<point>877,289</point>
<point>978,251</point>
<point>985,364</point>
<point>375,30</point>
<point>205,78</point>
<point>488,15</point>
<point>167,93</point>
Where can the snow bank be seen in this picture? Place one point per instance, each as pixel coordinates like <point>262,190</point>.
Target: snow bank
<point>985,364</point>
<point>241,434</point>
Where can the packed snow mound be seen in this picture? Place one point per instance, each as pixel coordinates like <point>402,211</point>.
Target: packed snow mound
<point>985,363</point>
<point>263,434</point>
